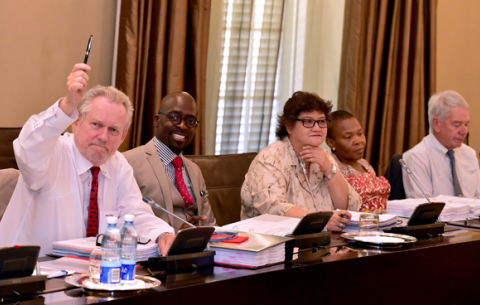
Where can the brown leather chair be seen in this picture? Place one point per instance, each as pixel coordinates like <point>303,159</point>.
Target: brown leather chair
<point>8,181</point>
<point>224,176</point>
<point>7,157</point>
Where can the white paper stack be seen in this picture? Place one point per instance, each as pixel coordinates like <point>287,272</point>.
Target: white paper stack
<point>81,248</point>
<point>63,266</point>
<point>473,203</point>
<point>455,209</point>
<point>284,226</point>
<point>266,224</point>
<point>385,221</point>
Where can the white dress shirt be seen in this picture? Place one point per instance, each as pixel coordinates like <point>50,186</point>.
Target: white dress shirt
<point>431,167</point>
<point>48,203</point>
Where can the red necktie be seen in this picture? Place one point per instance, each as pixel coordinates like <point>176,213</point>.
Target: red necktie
<point>92,226</point>
<point>182,188</point>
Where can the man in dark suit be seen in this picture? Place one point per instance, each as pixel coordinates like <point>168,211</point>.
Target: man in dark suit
<point>163,175</point>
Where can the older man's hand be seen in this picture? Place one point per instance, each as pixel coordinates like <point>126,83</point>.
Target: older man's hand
<point>164,243</point>
<point>76,88</point>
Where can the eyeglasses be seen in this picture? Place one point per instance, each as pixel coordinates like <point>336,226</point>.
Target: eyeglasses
<point>176,119</point>
<point>309,123</point>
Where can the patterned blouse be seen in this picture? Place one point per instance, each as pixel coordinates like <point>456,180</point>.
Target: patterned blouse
<point>275,183</point>
<point>373,190</point>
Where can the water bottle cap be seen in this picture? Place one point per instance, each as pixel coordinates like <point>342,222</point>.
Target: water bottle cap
<point>129,217</point>
<point>112,219</point>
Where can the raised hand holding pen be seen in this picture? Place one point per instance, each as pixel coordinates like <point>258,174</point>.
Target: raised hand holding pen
<point>76,88</point>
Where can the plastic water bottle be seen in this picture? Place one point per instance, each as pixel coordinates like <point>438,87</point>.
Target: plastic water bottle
<point>129,249</point>
<point>110,267</point>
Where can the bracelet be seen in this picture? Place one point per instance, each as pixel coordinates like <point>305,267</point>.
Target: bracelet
<point>332,173</point>
<point>162,235</point>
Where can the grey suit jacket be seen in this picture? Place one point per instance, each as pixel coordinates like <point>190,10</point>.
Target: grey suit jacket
<point>154,183</point>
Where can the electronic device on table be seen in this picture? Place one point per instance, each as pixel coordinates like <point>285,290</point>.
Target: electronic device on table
<point>16,267</point>
<point>310,237</point>
<point>187,251</point>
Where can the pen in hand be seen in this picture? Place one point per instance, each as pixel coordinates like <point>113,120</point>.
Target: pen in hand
<point>87,53</point>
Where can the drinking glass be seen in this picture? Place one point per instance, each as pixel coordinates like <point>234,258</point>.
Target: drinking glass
<point>94,265</point>
<point>368,223</point>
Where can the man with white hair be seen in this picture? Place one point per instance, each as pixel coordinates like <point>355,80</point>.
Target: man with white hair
<point>70,183</point>
<point>441,163</point>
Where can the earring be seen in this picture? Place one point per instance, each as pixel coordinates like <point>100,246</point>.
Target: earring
<point>333,148</point>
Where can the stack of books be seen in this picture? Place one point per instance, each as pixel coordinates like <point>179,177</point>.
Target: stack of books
<point>81,248</point>
<point>258,251</point>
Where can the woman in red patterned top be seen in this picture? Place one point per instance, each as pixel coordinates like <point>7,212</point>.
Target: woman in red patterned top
<point>347,141</point>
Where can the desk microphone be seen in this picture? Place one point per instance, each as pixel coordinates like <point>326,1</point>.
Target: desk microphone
<point>156,205</point>
<point>302,164</point>
<point>405,167</point>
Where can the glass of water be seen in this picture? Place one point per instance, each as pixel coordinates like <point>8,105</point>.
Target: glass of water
<point>368,223</point>
<point>94,265</point>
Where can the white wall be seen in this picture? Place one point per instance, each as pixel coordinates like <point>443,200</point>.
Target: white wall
<point>41,41</point>
<point>458,60</point>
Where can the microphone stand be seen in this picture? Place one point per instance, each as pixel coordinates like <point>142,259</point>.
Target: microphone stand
<point>156,205</point>
<point>405,167</point>
<point>302,164</point>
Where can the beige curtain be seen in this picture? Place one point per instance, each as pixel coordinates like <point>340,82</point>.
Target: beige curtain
<point>162,48</point>
<point>388,72</point>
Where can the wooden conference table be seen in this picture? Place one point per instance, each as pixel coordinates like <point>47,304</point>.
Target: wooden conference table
<point>443,270</point>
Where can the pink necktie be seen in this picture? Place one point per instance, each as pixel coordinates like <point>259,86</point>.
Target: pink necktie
<point>182,188</point>
<point>92,225</point>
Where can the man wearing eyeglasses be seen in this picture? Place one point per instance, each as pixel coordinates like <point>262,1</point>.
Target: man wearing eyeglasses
<point>162,173</point>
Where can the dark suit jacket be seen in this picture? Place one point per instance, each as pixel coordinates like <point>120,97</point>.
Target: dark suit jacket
<point>154,183</point>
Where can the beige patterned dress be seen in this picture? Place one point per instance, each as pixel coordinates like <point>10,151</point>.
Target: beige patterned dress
<point>275,183</point>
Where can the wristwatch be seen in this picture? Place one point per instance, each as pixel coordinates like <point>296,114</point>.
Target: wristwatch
<point>162,235</point>
<point>332,173</point>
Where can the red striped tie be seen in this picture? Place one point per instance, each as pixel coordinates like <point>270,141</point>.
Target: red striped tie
<point>92,225</point>
<point>182,188</point>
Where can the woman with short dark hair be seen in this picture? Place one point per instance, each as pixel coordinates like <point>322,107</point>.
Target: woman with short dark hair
<point>275,182</point>
<point>347,141</point>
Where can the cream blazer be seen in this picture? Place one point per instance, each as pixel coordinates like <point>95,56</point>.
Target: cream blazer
<point>155,184</point>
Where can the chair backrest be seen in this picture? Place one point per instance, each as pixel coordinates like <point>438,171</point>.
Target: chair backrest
<point>394,176</point>
<point>7,156</point>
<point>224,176</point>
<point>8,181</point>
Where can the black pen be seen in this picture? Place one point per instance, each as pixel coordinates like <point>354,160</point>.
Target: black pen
<point>89,45</point>
<point>341,214</point>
